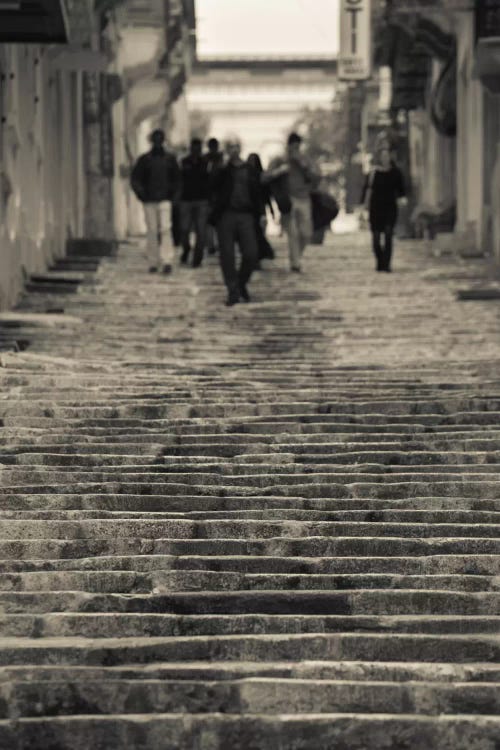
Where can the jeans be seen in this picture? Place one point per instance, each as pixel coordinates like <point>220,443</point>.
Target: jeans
<point>235,227</point>
<point>383,253</point>
<point>194,215</point>
<point>159,242</point>
<point>299,229</point>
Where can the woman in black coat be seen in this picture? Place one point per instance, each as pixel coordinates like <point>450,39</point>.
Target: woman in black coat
<point>265,248</point>
<point>384,186</point>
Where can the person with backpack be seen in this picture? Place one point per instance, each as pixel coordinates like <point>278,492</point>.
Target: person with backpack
<point>292,179</point>
<point>155,180</point>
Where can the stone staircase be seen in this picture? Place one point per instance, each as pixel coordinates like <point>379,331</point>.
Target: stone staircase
<point>271,527</point>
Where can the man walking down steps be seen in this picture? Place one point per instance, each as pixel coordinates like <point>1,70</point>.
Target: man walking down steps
<point>272,527</point>
<point>155,180</point>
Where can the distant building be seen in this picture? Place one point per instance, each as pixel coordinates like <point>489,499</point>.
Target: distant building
<point>260,97</point>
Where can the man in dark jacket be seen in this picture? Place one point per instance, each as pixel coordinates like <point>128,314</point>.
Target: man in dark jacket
<point>155,180</point>
<point>194,202</point>
<point>237,204</point>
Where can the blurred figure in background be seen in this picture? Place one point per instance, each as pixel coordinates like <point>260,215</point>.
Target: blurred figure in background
<point>215,160</point>
<point>155,180</point>
<point>194,204</point>
<point>292,179</point>
<point>384,187</point>
<point>265,249</point>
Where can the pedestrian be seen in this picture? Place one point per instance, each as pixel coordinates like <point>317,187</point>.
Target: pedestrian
<point>265,248</point>
<point>155,180</point>
<point>384,187</point>
<point>215,159</point>
<point>237,205</point>
<point>292,179</point>
<point>194,202</point>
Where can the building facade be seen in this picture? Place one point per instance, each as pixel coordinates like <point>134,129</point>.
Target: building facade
<point>444,58</point>
<point>81,81</point>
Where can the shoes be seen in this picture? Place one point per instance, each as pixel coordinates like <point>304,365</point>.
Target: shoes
<point>232,299</point>
<point>212,250</point>
<point>153,269</point>
<point>184,257</point>
<point>244,293</point>
<point>295,269</point>
<point>167,268</point>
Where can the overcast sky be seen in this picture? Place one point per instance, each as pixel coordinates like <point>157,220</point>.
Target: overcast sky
<point>229,27</point>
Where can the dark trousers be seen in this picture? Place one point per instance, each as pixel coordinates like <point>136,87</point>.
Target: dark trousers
<point>235,227</point>
<point>194,216</point>
<point>383,252</point>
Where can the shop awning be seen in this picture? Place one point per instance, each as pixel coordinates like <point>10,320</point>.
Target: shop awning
<point>33,21</point>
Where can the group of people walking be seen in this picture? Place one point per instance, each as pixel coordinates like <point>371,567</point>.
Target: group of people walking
<point>223,200</point>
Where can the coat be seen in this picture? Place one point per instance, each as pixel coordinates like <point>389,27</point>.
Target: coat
<point>222,190</point>
<point>383,188</point>
<point>156,177</point>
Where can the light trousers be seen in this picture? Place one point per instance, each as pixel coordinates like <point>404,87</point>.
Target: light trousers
<point>299,229</point>
<point>160,247</point>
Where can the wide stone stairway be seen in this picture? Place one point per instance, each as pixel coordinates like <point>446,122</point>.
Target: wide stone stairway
<point>269,527</point>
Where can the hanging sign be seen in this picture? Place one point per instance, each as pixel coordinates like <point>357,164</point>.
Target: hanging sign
<point>355,61</point>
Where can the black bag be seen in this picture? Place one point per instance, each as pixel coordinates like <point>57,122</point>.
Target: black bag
<point>324,209</point>
<point>279,191</point>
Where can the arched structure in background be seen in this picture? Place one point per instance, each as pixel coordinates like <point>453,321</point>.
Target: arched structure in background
<point>260,98</point>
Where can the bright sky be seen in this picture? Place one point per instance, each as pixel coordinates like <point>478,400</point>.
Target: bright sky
<point>230,27</point>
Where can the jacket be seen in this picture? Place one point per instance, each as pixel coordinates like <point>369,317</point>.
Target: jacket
<point>156,177</point>
<point>195,179</point>
<point>280,186</point>
<point>223,188</point>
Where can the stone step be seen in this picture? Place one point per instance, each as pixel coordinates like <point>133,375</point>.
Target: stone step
<point>49,549</point>
<point>220,671</point>
<point>127,625</point>
<point>270,403</point>
<point>377,481</point>
<point>290,602</point>
<point>275,515</point>
<point>157,502</point>
<point>474,565</point>
<point>305,731</point>
<point>235,530</point>
<point>118,581</point>
<point>415,461</point>
<point>156,486</point>
<point>171,448</point>
<point>375,647</point>
<point>253,695</point>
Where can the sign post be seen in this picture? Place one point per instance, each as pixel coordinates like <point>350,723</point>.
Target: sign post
<point>355,63</point>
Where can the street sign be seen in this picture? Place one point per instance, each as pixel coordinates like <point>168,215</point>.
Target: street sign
<point>355,55</point>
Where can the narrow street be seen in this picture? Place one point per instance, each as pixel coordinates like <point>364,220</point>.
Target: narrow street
<point>263,527</point>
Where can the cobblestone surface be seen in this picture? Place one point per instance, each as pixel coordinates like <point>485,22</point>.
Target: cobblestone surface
<point>269,526</point>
